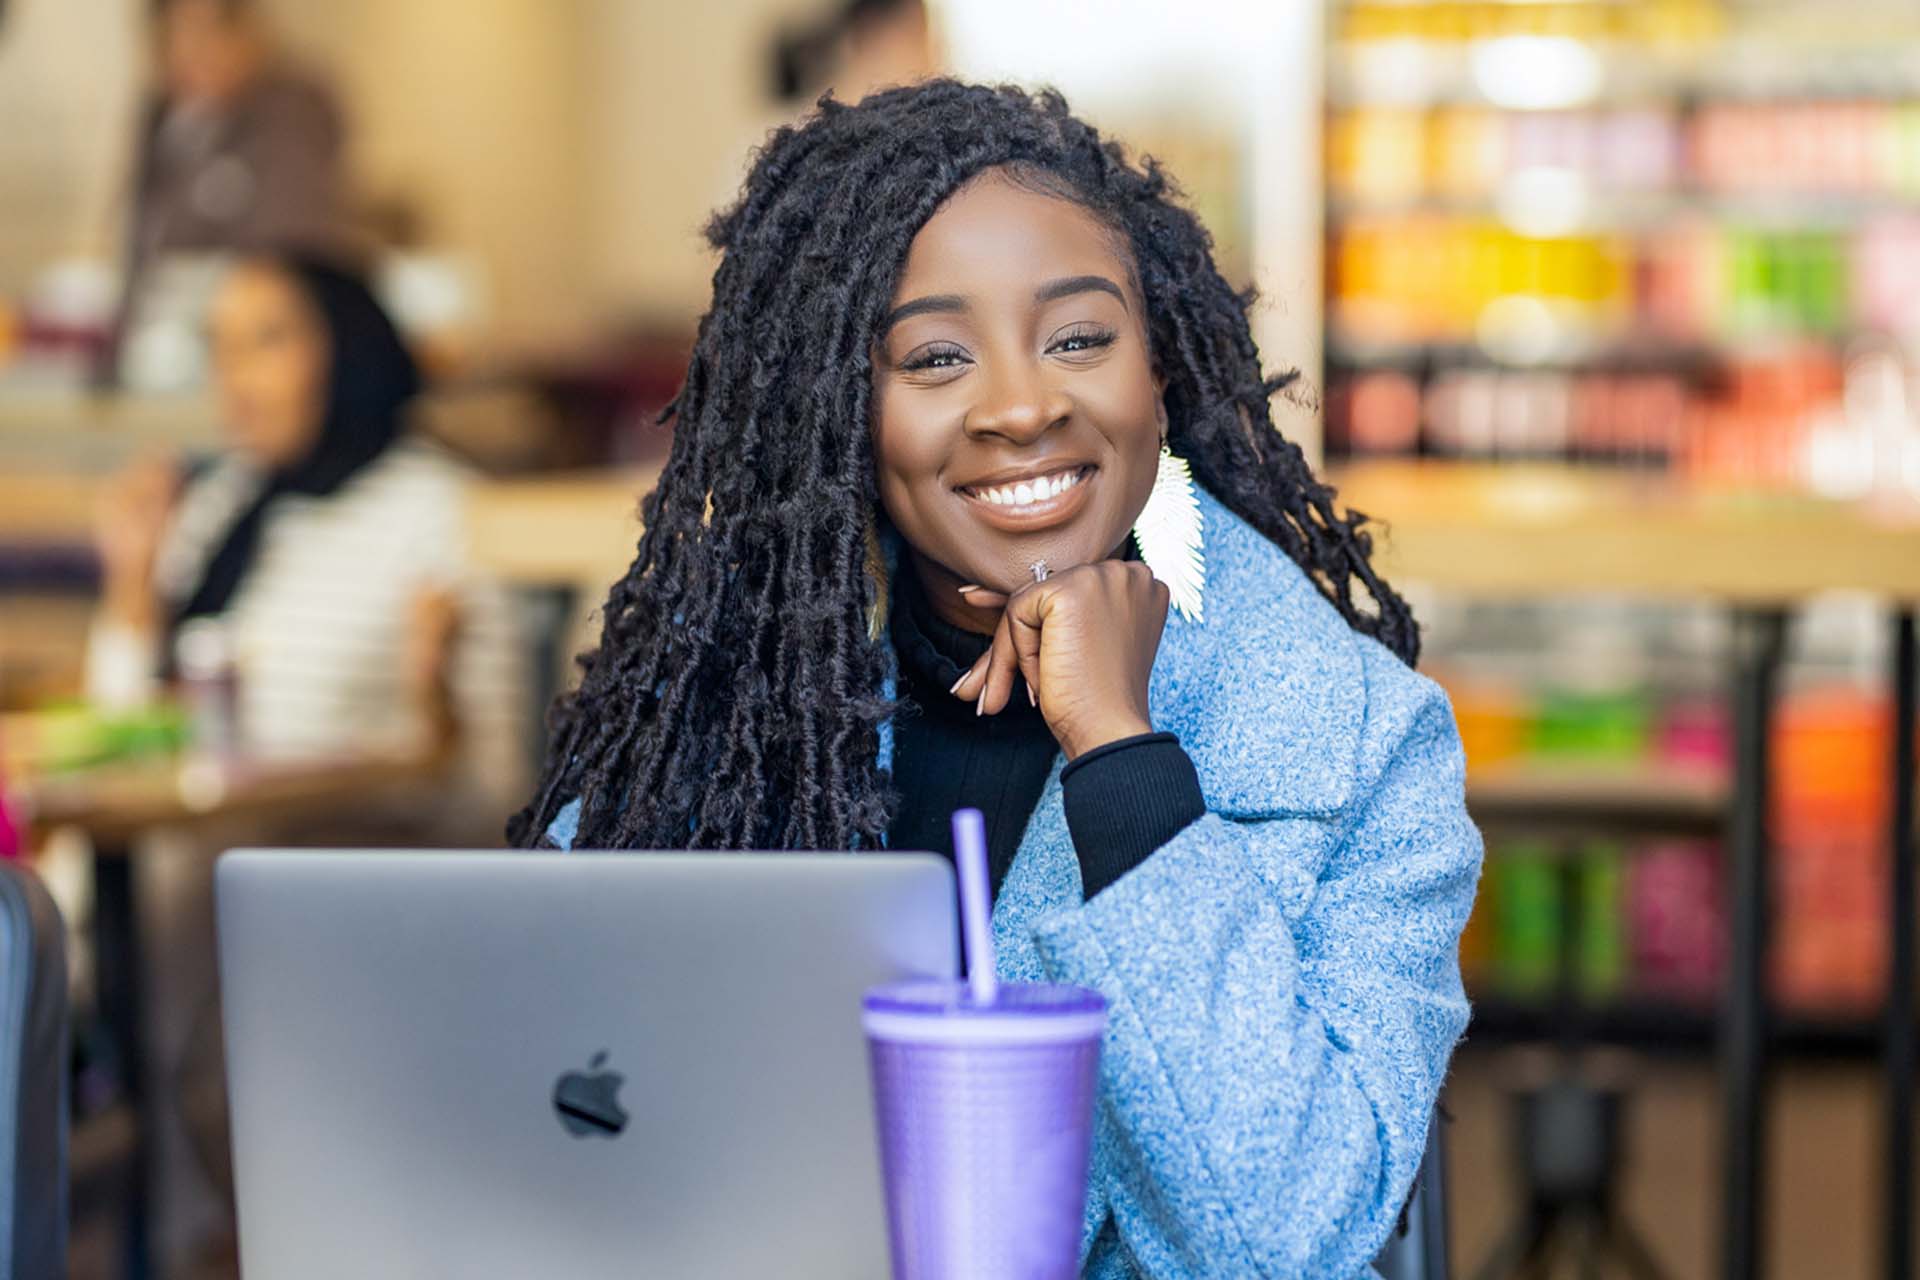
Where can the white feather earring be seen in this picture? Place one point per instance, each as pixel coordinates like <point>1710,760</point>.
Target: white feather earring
<point>1168,534</point>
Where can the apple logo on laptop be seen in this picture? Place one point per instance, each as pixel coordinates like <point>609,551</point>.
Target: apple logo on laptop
<point>587,1102</point>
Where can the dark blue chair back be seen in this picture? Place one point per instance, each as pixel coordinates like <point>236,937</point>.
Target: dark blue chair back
<point>33,1080</point>
<point>1417,1249</point>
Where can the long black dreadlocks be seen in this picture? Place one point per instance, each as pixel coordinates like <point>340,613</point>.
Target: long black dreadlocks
<point>735,698</point>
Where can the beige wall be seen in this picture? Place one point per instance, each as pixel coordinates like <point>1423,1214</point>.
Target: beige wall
<point>471,113</point>
<point>680,104</point>
<point>68,76</point>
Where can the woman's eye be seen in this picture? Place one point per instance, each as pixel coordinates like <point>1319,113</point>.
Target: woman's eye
<point>939,356</point>
<point>1081,340</point>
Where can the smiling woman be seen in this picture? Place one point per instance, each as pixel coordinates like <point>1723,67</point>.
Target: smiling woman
<point>960,348</point>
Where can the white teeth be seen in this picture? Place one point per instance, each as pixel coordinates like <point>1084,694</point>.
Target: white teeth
<point>1028,492</point>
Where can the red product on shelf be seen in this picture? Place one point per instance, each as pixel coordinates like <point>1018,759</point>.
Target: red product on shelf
<point>1695,734</point>
<point>1830,793</point>
<point>1676,919</point>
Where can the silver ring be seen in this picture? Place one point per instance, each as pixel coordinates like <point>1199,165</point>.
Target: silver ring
<point>1040,571</point>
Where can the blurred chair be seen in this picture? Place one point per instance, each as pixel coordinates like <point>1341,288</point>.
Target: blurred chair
<point>33,1080</point>
<point>1417,1249</point>
<point>1568,1158</point>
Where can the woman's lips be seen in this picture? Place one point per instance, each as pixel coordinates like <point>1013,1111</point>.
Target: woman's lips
<point>1019,507</point>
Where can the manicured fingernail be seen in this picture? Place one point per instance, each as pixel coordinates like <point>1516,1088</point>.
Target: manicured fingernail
<point>980,707</point>
<point>957,683</point>
<point>969,587</point>
<point>1032,698</point>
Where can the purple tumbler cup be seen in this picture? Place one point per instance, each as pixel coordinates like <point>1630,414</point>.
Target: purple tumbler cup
<point>985,1113</point>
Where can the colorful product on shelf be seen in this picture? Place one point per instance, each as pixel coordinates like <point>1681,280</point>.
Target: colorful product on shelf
<point>1820,154</point>
<point>1602,958</point>
<point>1528,881</point>
<point>1650,920</point>
<point>1667,264</point>
<point>1830,824</point>
<point>1526,901</point>
<point>1593,726</point>
<point>1675,919</point>
<point>1445,280</point>
<point>1693,733</point>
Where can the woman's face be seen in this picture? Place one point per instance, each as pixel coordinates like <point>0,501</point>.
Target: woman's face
<point>271,357</point>
<point>207,51</point>
<point>1018,412</point>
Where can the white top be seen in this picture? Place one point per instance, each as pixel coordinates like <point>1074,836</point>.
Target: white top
<point>319,623</point>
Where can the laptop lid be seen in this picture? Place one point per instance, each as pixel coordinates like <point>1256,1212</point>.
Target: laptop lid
<point>502,1064</point>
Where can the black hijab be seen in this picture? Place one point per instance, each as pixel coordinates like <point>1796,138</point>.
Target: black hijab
<point>370,379</point>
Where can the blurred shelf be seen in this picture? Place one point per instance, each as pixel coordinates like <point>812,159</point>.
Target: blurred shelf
<point>1419,74</point>
<point>1655,1025</point>
<point>576,529</point>
<point>1405,73</point>
<point>569,528</point>
<point>1616,212</point>
<point>1580,796</point>
<point>83,431</point>
<point>1528,531</point>
<point>46,506</point>
<point>1623,352</point>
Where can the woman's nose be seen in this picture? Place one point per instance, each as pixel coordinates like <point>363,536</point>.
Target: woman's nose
<point>1018,406</point>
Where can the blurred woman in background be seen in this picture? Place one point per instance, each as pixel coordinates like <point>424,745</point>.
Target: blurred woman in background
<point>239,149</point>
<point>328,544</point>
<point>327,549</point>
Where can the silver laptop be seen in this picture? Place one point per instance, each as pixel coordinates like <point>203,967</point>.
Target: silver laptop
<point>524,1065</point>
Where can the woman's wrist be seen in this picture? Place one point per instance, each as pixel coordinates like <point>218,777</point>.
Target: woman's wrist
<point>130,605</point>
<point>1109,730</point>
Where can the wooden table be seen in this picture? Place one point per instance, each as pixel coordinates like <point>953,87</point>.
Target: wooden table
<point>1534,532</point>
<point>113,805</point>
<point>1528,532</point>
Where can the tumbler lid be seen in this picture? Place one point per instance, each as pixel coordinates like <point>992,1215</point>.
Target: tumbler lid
<point>1021,1012</point>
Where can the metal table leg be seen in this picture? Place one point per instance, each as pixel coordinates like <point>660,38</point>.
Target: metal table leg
<point>1898,1210</point>
<point>1758,641</point>
<point>116,944</point>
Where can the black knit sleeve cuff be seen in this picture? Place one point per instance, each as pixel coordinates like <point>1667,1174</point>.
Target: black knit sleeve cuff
<point>1124,800</point>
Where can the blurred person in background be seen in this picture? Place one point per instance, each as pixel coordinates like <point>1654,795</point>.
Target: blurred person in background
<point>328,546</point>
<point>238,148</point>
<point>863,45</point>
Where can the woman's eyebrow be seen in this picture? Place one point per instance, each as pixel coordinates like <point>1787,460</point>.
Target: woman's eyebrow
<point>921,306</point>
<point>1067,286</point>
<point>1051,291</point>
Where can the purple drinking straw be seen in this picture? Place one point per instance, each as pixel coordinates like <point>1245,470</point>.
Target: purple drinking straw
<point>976,907</point>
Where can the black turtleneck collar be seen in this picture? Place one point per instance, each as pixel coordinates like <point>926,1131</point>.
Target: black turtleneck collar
<point>947,757</point>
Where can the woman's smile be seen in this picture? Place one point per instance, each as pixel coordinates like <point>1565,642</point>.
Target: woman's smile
<point>1029,499</point>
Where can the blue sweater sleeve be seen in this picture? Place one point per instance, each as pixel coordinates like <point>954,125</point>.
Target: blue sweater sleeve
<point>565,825</point>
<point>1284,995</point>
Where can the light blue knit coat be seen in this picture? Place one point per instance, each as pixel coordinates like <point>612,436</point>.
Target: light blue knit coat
<point>1283,975</point>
